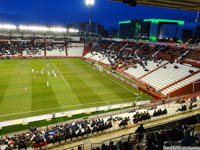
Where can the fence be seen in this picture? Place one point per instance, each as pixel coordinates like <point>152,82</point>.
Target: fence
<point>77,147</point>
<point>131,137</point>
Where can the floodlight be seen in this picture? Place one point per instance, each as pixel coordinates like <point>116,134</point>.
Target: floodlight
<point>33,28</point>
<point>7,26</point>
<point>89,2</point>
<point>58,29</point>
<point>71,30</point>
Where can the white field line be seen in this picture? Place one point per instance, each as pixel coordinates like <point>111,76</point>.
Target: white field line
<point>66,107</point>
<point>119,84</point>
<point>93,85</point>
<point>85,62</point>
<point>109,79</point>
<point>79,74</point>
<point>114,81</point>
<point>69,63</point>
<point>61,75</point>
<point>78,67</point>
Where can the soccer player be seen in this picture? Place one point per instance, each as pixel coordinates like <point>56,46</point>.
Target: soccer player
<point>137,95</point>
<point>25,89</point>
<point>34,77</point>
<point>47,83</point>
<point>55,75</point>
<point>32,70</point>
<point>42,72</point>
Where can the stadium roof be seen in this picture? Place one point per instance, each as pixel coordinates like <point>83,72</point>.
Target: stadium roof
<point>193,5</point>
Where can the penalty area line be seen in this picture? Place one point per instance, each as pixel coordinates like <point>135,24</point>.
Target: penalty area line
<point>119,84</point>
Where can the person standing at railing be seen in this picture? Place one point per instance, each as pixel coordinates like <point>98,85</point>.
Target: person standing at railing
<point>140,132</point>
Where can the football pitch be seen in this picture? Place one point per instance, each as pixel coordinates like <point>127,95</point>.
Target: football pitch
<point>76,85</point>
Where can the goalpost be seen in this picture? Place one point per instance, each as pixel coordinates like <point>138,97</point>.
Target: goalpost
<point>98,68</point>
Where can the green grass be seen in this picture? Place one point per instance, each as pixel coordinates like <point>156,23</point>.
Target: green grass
<point>76,86</point>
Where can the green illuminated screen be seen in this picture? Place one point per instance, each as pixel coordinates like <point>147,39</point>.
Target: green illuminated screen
<point>128,21</point>
<point>180,22</point>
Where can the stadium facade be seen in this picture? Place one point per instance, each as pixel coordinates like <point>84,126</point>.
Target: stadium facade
<point>151,29</point>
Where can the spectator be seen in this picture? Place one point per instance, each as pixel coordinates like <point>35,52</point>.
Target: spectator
<point>140,131</point>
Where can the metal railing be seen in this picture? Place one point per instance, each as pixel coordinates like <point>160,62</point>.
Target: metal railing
<point>131,137</point>
<point>77,147</point>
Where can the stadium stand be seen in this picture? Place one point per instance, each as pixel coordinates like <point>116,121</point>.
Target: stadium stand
<point>182,134</point>
<point>139,70</point>
<point>171,73</point>
<point>75,49</point>
<point>194,54</point>
<point>32,49</point>
<point>41,49</point>
<point>9,49</point>
<point>55,50</point>
<point>76,52</point>
<point>135,59</point>
<point>159,67</point>
<point>80,129</point>
<point>146,63</point>
<point>35,138</point>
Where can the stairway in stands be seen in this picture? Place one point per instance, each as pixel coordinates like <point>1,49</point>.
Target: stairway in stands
<point>179,81</point>
<point>86,50</point>
<point>153,70</point>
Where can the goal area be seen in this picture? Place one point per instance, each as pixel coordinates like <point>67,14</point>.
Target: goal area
<point>98,68</point>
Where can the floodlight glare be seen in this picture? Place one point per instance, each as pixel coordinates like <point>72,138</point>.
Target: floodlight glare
<point>71,30</point>
<point>7,27</point>
<point>58,29</point>
<point>89,2</point>
<point>33,28</point>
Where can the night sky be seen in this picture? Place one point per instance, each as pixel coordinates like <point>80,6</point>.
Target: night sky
<point>62,12</point>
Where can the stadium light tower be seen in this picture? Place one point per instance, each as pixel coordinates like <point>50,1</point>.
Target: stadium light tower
<point>90,3</point>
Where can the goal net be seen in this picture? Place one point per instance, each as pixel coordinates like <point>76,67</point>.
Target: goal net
<point>98,68</point>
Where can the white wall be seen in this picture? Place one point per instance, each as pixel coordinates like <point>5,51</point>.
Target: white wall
<point>75,51</point>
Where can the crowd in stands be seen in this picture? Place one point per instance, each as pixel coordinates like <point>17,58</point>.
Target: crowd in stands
<point>129,54</point>
<point>184,107</point>
<point>146,116</point>
<point>59,47</point>
<point>160,112</point>
<point>181,134</point>
<point>32,49</point>
<point>116,57</point>
<point>150,64</point>
<point>29,48</point>
<point>118,52</point>
<point>141,117</point>
<point>38,138</point>
<point>8,49</point>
